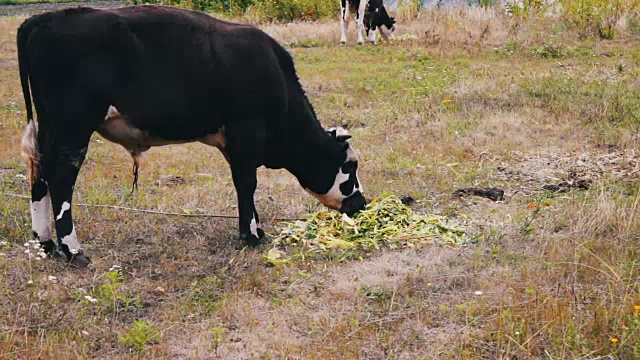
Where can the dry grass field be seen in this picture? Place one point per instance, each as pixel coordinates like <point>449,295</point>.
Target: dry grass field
<point>465,97</point>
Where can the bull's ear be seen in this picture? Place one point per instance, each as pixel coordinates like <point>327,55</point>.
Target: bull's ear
<point>339,133</point>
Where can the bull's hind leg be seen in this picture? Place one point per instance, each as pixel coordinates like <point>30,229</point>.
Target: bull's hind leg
<point>41,214</point>
<point>69,159</point>
<point>40,205</point>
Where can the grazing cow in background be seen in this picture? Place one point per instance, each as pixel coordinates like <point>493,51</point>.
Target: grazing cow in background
<point>146,76</point>
<point>370,14</point>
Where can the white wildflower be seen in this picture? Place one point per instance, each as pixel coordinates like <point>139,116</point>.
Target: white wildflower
<point>26,244</point>
<point>478,293</point>
<point>27,251</point>
<point>115,268</point>
<point>52,278</point>
<point>30,282</point>
<point>4,243</point>
<point>84,332</point>
<point>91,299</point>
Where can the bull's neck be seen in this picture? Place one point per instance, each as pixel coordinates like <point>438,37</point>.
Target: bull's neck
<point>306,144</point>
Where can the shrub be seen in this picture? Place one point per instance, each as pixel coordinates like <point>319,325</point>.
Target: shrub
<point>139,335</point>
<point>596,17</point>
<point>261,10</point>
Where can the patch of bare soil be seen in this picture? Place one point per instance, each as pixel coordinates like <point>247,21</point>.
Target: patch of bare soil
<point>342,300</point>
<point>559,172</point>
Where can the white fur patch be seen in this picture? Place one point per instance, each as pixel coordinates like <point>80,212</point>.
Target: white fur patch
<point>71,240</point>
<point>254,226</point>
<point>335,192</point>
<point>40,218</point>
<point>387,33</point>
<point>372,36</point>
<point>65,206</point>
<point>112,112</point>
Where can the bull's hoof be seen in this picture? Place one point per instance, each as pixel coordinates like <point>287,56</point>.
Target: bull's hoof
<point>79,260</point>
<point>253,241</point>
<point>49,247</point>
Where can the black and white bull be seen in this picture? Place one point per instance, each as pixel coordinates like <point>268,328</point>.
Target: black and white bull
<point>147,76</point>
<point>370,15</point>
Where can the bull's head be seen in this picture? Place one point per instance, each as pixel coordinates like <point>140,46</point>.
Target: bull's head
<point>387,24</point>
<point>336,183</point>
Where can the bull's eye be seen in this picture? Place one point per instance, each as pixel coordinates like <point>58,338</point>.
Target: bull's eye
<point>349,167</point>
<point>348,187</point>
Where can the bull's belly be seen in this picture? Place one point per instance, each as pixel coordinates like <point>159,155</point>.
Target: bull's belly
<point>117,129</point>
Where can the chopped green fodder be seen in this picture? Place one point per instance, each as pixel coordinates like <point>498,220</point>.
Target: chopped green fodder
<point>385,222</point>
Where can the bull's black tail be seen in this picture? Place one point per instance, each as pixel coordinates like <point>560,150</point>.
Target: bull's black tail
<point>23,64</point>
<point>29,144</point>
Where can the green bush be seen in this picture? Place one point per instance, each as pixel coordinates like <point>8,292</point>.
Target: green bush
<point>139,335</point>
<point>597,17</point>
<point>262,10</point>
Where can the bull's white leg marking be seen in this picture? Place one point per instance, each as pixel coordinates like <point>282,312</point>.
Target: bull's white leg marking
<point>40,218</point>
<point>372,35</point>
<point>65,206</point>
<point>360,20</point>
<point>253,226</point>
<point>344,23</point>
<point>71,240</point>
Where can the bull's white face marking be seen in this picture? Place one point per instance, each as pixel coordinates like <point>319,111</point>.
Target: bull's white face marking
<point>71,240</point>
<point>65,206</point>
<point>41,218</point>
<point>387,33</point>
<point>334,197</point>
<point>253,226</point>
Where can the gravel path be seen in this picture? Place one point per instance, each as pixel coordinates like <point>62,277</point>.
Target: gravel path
<point>32,9</point>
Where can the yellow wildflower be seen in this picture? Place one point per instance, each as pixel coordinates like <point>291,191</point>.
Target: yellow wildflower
<point>614,340</point>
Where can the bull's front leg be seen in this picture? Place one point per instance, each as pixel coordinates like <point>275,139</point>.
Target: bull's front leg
<point>344,21</point>
<point>244,154</point>
<point>360,21</point>
<point>371,34</point>
<point>245,181</point>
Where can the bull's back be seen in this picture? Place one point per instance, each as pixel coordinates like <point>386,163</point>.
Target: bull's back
<point>160,66</point>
